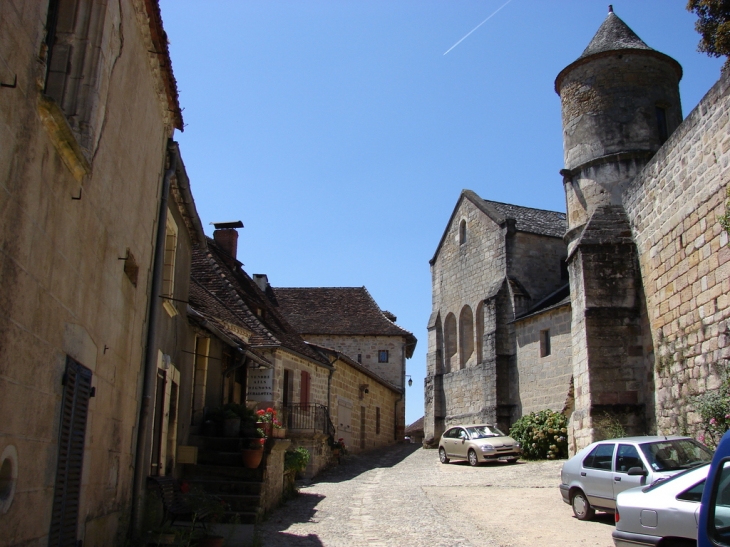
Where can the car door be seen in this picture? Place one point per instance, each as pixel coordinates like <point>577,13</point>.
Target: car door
<point>596,476</point>
<point>460,443</point>
<point>627,457</point>
<point>449,441</point>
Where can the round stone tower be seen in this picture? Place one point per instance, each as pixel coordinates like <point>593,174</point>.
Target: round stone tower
<point>620,102</point>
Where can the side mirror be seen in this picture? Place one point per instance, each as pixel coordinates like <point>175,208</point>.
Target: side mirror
<point>637,472</point>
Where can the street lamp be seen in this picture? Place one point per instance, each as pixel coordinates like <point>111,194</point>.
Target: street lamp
<point>410,380</point>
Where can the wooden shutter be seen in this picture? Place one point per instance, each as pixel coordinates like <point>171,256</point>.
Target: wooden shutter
<point>304,398</point>
<point>71,438</point>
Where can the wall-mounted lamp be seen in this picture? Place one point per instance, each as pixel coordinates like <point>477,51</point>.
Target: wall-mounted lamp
<point>364,388</point>
<point>410,380</point>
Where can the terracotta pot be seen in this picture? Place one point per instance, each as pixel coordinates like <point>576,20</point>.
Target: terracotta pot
<point>210,541</point>
<point>336,451</point>
<point>252,457</point>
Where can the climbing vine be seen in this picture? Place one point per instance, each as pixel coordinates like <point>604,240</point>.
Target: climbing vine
<point>724,220</point>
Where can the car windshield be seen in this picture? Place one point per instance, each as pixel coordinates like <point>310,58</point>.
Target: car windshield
<point>675,454</point>
<point>484,432</point>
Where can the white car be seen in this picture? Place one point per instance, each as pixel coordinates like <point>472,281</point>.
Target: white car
<point>665,513</point>
<point>593,478</point>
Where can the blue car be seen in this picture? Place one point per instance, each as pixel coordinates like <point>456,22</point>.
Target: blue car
<point>714,522</point>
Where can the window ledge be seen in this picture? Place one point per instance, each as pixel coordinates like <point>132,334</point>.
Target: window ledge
<point>63,139</point>
<point>169,308</point>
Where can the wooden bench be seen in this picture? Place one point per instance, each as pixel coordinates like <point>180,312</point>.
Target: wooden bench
<point>174,503</point>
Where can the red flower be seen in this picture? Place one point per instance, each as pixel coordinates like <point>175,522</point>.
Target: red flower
<point>270,410</point>
<point>260,412</point>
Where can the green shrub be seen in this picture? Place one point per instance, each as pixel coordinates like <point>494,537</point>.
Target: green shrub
<point>542,435</point>
<point>714,408</point>
<point>296,460</point>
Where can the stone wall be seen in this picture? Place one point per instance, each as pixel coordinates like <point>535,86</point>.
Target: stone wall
<point>63,289</point>
<point>544,381</point>
<point>537,263</point>
<point>349,399</point>
<point>367,347</point>
<point>673,208</point>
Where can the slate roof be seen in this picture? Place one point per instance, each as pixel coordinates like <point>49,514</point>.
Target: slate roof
<point>415,427</point>
<point>612,35</point>
<point>526,219</point>
<point>338,311</point>
<point>557,299</point>
<point>233,296</point>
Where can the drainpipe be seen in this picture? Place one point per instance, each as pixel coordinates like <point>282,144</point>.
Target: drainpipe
<point>144,448</point>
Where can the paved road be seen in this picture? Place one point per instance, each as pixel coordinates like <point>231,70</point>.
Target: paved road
<point>403,496</point>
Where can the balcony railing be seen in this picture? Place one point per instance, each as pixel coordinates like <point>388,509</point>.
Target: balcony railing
<point>313,417</point>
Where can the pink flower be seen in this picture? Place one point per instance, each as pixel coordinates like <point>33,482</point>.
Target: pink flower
<point>701,437</point>
<point>713,421</point>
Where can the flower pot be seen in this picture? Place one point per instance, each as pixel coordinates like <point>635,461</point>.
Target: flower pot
<point>210,541</point>
<point>252,457</point>
<point>336,451</point>
<point>232,427</point>
<point>278,433</point>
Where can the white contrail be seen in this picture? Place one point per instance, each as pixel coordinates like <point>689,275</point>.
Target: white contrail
<point>479,25</point>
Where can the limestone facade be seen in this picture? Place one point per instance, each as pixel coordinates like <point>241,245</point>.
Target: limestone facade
<point>81,168</point>
<point>495,263</point>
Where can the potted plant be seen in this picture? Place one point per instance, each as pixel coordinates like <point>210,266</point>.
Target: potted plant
<point>338,447</point>
<point>254,451</point>
<point>296,460</point>
<point>266,419</point>
<point>206,506</point>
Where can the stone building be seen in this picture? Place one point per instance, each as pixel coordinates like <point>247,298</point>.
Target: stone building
<point>348,320</point>
<point>495,262</point>
<point>648,258</point>
<point>648,264</point>
<point>88,105</point>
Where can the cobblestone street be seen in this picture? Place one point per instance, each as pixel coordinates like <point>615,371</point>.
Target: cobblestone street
<point>403,496</point>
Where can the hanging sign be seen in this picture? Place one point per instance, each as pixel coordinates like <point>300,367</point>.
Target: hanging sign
<point>260,384</point>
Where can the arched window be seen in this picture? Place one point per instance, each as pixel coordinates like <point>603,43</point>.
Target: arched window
<point>480,332</point>
<point>449,340</point>
<point>466,335</point>
<point>462,232</point>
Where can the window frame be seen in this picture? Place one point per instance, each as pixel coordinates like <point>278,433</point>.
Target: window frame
<point>383,353</point>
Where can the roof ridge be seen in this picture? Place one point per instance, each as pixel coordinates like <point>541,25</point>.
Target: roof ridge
<point>522,206</point>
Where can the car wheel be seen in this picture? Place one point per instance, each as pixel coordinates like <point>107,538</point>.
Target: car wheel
<point>473,459</point>
<point>581,507</point>
<point>442,456</point>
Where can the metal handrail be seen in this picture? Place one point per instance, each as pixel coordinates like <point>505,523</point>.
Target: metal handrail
<point>308,416</point>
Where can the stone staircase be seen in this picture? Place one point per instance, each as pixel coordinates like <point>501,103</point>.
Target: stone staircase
<point>220,471</point>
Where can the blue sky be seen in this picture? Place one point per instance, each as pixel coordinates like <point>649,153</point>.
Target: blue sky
<point>341,135</point>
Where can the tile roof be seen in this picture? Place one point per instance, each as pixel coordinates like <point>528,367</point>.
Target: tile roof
<point>535,221</point>
<point>234,297</point>
<point>337,311</point>
<point>415,426</point>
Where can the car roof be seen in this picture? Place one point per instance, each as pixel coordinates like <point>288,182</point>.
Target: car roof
<point>644,439</point>
<point>472,425</point>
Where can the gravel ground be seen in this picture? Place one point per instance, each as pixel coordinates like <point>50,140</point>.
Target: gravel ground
<point>403,496</point>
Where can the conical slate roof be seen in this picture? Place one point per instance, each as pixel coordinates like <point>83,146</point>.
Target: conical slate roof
<point>613,34</point>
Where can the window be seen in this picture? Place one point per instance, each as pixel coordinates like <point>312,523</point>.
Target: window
<point>168,269</point>
<point>383,356</point>
<point>200,377</point>
<point>694,493</point>
<point>359,357</point>
<point>462,232</point>
<point>304,388</point>
<point>377,420</point>
<point>600,457</point>
<point>544,343</point>
<point>77,71</point>
<point>627,457</point>
<point>72,437</point>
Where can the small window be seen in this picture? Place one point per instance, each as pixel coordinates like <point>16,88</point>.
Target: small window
<point>377,420</point>
<point>600,457</point>
<point>462,232</point>
<point>383,356</point>
<point>564,270</point>
<point>359,357</point>
<point>544,343</point>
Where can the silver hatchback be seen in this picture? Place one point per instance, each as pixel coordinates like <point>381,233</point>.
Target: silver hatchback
<point>593,478</point>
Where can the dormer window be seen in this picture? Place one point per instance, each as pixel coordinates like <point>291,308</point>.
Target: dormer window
<point>462,232</point>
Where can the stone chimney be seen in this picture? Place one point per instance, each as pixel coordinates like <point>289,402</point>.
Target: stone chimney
<point>226,236</point>
<point>262,280</point>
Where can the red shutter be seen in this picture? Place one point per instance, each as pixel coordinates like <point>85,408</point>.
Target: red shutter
<point>304,397</point>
